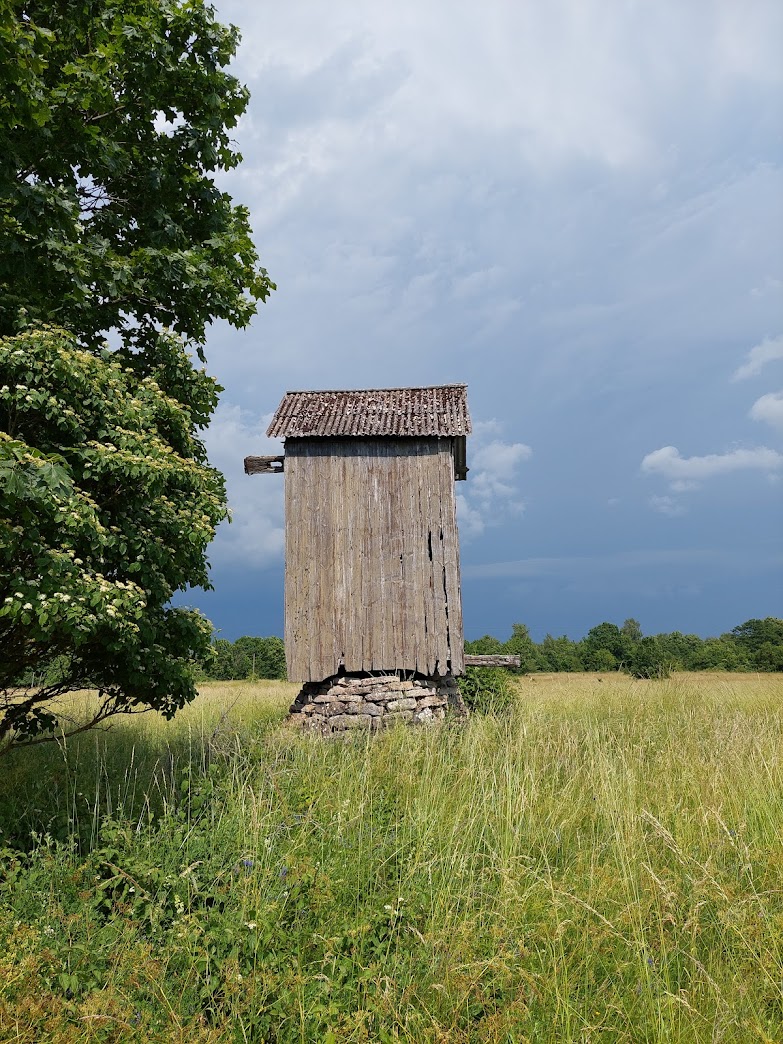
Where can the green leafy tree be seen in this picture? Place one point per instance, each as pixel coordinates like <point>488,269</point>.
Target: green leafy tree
<point>608,638</point>
<point>631,631</point>
<point>595,658</point>
<point>681,650</point>
<point>762,641</point>
<point>522,645</point>
<point>107,505</point>
<point>247,657</point>
<point>115,116</point>
<point>720,654</point>
<point>559,654</point>
<point>484,646</point>
<point>222,665</point>
<point>768,657</point>
<point>649,659</point>
<point>261,657</point>
<point>272,663</point>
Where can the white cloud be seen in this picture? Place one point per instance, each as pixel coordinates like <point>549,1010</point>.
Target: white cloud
<point>471,521</point>
<point>668,462</point>
<point>769,408</point>
<point>497,459</point>
<point>569,78</point>
<point>771,348</point>
<point>163,125</point>
<point>254,536</point>
<point>424,178</point>
<point>769,285</point>
<point>490,493</point>
<point>667,506</point>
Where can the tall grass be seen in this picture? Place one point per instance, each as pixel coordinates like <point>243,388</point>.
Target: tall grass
<point>603,863</point>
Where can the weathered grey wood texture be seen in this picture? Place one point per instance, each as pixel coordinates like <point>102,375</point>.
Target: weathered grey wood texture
<point>474,660</point>
<point>372,557</point>
<point>265,465</point>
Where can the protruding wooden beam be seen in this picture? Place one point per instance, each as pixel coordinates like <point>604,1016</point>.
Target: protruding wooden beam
<point>264,465</point>
<point>491,661</point>
<point>461,468</point>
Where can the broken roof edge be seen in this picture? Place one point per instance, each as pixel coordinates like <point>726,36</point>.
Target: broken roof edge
<point>435,410</point>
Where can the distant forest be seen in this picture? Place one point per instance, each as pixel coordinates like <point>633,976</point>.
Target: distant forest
<point>756,645</point>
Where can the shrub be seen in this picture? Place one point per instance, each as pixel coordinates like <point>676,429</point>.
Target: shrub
<point>488,690</point>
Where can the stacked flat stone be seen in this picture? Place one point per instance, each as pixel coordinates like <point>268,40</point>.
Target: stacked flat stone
<point>372,702</point>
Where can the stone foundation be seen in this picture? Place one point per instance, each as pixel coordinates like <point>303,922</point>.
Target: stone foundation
<point>360,701</point>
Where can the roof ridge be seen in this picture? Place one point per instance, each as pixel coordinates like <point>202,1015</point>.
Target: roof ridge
<point>412,411</point>
<point>347,391</point>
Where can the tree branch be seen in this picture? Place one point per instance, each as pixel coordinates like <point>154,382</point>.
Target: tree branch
<point>105,711</point>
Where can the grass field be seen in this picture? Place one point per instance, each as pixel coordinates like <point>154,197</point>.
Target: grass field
<point>603,863</point>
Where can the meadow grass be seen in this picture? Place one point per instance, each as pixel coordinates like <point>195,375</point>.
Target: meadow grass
<point>602,863</point>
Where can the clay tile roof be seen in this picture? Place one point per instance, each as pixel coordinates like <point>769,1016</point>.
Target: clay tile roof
<point>403,412</point>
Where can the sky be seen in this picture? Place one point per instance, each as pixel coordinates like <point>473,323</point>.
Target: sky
<point>575,208</point>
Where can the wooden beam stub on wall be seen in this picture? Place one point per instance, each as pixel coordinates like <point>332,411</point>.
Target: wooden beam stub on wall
<point>264,465</point>
<point>491,661</point>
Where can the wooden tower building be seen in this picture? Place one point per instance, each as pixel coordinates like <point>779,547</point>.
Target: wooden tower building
<point>372,579</point>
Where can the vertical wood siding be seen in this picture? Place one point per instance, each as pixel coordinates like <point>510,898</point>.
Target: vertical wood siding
<point>372,557</point>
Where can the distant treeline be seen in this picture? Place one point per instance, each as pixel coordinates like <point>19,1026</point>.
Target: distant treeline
<point>756,645</point>
<point>247,657</point>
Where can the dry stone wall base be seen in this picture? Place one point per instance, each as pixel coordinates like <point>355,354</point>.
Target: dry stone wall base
<point>358,701</point>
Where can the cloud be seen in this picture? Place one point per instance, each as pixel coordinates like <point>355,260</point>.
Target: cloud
<point>769,408</point>
<point>667,506</point>
<point>568,78</point>
<point>470,519</point>
<point>570,206</point>
<point>668,462</point>
<point>425,180</point>
<point>771,348</point>
<point>255,535</point>
<point>491,494</point>
<point>769,285</point>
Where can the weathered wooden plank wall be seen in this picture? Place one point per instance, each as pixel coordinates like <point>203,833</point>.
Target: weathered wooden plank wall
<point>372,557</point>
